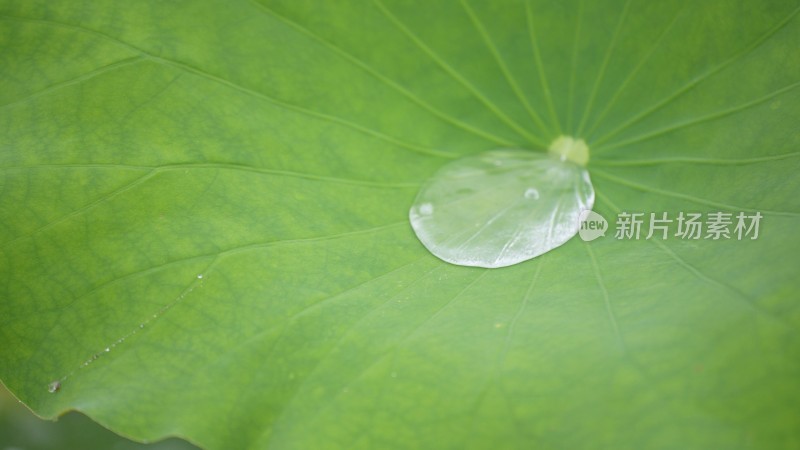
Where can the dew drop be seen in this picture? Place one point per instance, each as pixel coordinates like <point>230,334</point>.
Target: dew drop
<point>108,349</point>
<point>200,276</point>
<point>54,386</point>
<point>532,193</point>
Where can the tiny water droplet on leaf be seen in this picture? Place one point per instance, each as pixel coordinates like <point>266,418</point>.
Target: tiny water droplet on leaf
<point>532,193</point>
<point>54,386</point>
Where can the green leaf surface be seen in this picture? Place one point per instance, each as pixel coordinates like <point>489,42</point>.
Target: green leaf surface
<point>204,233</point>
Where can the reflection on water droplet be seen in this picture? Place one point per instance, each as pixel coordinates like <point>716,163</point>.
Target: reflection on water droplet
<point>532,193</point>
<point>54,386</point>
<point>108,349</point>
<point>200,276</point>
<point>426,209</point>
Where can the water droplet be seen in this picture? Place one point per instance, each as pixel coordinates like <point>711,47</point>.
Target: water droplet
<point>141,325</point>
<point>497,223</point>
<point>426,209</point>
<point>108,349</point>
<point>532,193</point>
<point>54,386</point>
<point>200,276</point>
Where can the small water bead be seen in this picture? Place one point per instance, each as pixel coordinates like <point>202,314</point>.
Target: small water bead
<point>531,193</point>
<point>200,276</point>
<point>54,386</point>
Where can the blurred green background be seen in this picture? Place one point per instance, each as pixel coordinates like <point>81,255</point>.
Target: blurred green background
<point>21,430</point>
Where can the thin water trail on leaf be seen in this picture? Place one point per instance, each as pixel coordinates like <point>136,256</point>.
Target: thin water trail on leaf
<point>197,282</point>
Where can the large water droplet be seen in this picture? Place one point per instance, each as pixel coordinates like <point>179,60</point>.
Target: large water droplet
<point>477,217</point>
